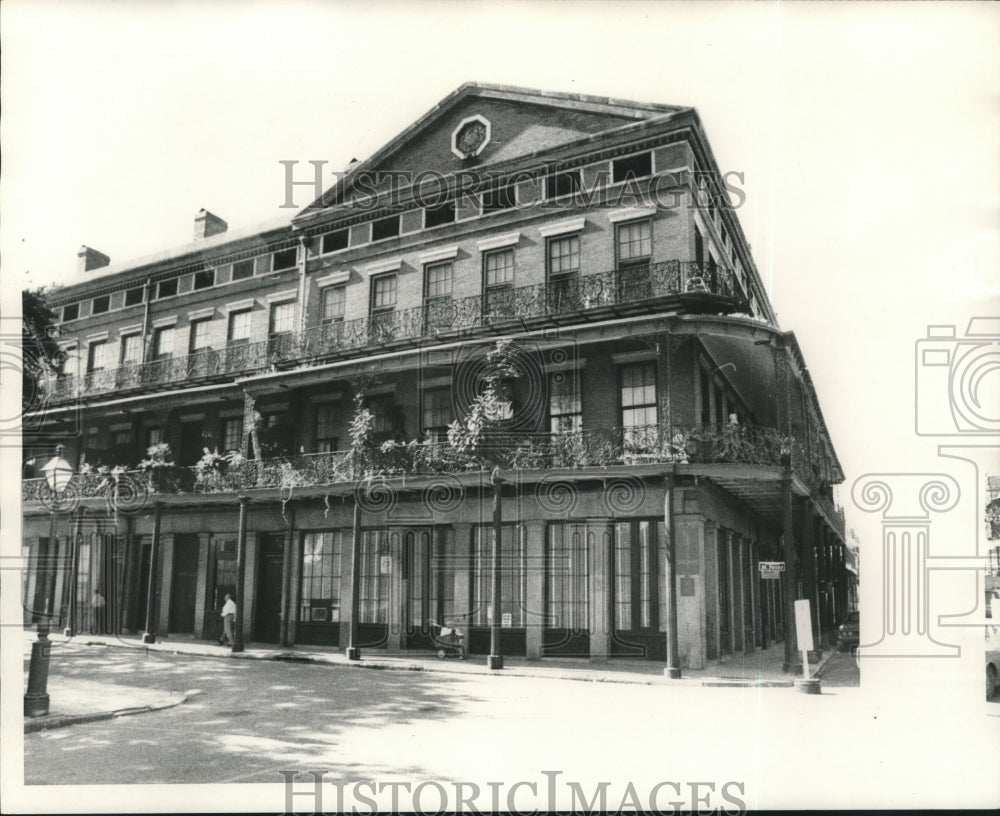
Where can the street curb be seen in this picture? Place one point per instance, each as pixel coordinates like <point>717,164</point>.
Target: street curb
<point>34,724</point>
<point>641,680</point>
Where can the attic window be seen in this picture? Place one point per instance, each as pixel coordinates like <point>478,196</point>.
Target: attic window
<point>562,184</point>
<point>286,259</point>
<point>204,279</point>
<point>632,167</point>
<point>133,296</point>
<point>243,270</point>
<point>101,304</point>
<point>500,197</point>
<point>166,288</point>
<point>71,312</point>
<point>334,241</point>
<point>436,216</point>
<point>385,228</point>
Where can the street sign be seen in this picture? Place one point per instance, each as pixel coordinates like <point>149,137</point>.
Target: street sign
<point>771,570</point>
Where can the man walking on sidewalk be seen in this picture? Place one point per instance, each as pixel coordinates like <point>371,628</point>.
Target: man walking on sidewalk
<point>228,620</point>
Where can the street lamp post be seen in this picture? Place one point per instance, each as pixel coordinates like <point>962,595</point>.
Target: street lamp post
<point>495,659</point>
<point>57,472</point>
<point>241,571</point>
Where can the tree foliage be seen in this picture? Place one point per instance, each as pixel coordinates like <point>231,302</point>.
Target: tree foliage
<point>40,352</point>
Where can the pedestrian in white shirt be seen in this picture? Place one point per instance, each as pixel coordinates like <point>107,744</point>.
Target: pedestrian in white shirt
<point>228,621</point>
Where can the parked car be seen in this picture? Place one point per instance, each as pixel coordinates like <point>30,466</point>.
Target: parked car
<point>992,661</point>
<point>849,632</point>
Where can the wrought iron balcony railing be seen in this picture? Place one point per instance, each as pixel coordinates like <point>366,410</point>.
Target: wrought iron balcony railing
<point>596,448</point>
<point>635,288</point>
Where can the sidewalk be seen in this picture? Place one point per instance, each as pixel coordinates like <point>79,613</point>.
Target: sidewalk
<point>758,670</point>
<point>79,701</point>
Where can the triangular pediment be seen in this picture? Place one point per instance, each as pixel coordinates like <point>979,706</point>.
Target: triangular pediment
<point>483,125</point>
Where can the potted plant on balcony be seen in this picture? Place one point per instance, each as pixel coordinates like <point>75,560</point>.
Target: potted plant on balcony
<point>210,471</point>
<point>159,467</point>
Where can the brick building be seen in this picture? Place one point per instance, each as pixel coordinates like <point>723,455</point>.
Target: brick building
<point>645,383</point>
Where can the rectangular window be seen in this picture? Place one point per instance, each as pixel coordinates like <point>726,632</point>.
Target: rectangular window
<point>131,349</point>
<point>632,167</point>
<point>334,298</point>
<point>334,241</point>
<point>561,184</point>
<point>199,335</point>
<point>567,583</point>
<point>637,553</point>
<point>565,406</point>
<point>101,304</point>
<point>512,576</point>
<point>239,327</point>
<point>326,416</point>
<point>96,355</point>
<point>384,293</point>
<point>71,312</point>
<point>436,414</point>
<point>163,342</point>
<point>638,401</point>
<point>282,318</point>
<point>123,436</point>
<point>382,409</point>
<point>154,436</point>
<point>564,255</point>
<point>133,296</point>
<point>634,243</point>
<point>375,574</point>
<point>436,216</point>
<point>385,228</point>
<point>285,259</point>
<point>320,598</point>
<point>232,433</point>
<point>438,280</point>
<point>166,288</point>
<point>204,279</point>
<point>498,268</point>
<point>243,269</point>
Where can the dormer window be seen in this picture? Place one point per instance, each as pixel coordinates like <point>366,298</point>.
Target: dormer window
<point>101,304</point>
<point>385,228</point>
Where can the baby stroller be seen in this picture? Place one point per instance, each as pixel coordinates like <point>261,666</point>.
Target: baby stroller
<point>450,642</point>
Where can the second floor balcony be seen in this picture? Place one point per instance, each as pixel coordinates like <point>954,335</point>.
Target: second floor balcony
<point>670,286</point>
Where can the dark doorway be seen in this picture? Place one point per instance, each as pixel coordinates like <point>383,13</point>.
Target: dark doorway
<point>417,588</point>
<point>184,585</point>
<point>267,618</point>
<point>191,442</point>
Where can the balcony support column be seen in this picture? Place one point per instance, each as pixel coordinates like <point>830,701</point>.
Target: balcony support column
<point>287,602</point>
<point>791,573</point>
<point>149,635</point>
<point>353,650</point>
<point>241,573</point>
<point>673,668</point>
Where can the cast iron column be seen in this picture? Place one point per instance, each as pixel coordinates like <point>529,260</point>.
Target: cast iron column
<point>241,572</point>
<point>495,659</point>
<point>791,571</point>
<point>353,650</point>
<point>673,669</point>
<point>149,636</point>
<point>36,699</point>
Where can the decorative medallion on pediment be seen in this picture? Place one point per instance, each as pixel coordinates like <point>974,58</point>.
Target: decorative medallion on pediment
<point>470,137</point>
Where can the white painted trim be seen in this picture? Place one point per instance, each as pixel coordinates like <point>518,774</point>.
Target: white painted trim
<point>231,413</point>
<point>633,356</point>
<point>499,241</point>
<point>201,314</point>
<point>563,227</point>
<point>336,279</point>
<point>98,337</point>
<point>190,417</point>
<point>271,407</point>
<point>282,297</point>
<point>437,382</point>
<point>454,135</point>
<point>160,322</point>
<point>630,213</point>
<point>135,328</point>
<point>443,254</point>
<point>568,365</point>
<point>239,305</point>
<point>391,265</point>
<point>380,390</point>
<point>120,426</point>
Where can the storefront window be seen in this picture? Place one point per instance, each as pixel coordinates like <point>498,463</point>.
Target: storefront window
<point>321,553</point>
<point>567,582</point>
<point>512,576</point>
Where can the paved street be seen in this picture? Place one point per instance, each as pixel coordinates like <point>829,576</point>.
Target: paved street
<point>248,720</point>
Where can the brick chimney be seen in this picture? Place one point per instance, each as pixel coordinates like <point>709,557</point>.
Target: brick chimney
<point>207,224</point>
<point>88,259</point>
